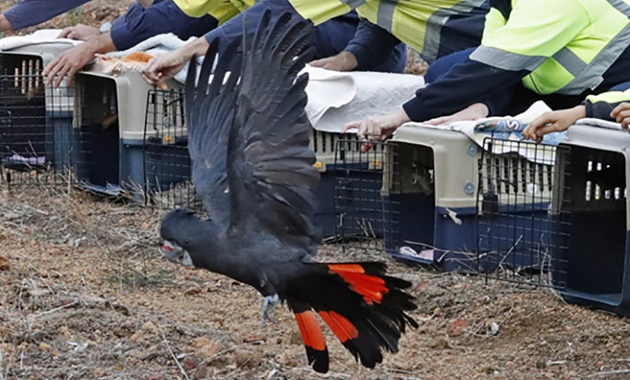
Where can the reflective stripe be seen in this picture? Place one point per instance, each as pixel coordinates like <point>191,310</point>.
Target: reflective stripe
<point>385,15</point>
<point>431,45</point>
<point>621,6</point>
<point>571,62</point>
<point>506,60</point>
<point>353,3</point>
<point>592,76</point>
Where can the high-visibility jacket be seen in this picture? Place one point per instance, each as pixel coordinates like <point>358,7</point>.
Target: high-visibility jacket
<point>600,106</point>
<point>222,10</point>
<point>415,22</point>
<point>565,54</point>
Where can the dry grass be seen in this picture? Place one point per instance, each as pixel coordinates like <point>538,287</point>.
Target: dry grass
<point>86,296</point>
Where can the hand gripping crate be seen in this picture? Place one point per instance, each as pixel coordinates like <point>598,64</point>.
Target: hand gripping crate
<point>591,262</point>
<point>35,119</point>
<point>111,114</point>
<point>348,195</point>
<point>432,186</point>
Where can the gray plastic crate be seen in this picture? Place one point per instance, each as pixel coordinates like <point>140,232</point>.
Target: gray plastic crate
<point>110,117</point>
<point>591,220</point>
<point>35,120</point>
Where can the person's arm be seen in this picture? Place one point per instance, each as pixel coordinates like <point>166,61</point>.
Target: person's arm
<point>464,84</point>
<point>5,26</point>
<point>32,12</point>
<point>611,106</point>
<point>163,67</point>
<point>162,17</point>
<point>601,106</point>
<point>503,59</point>
<point>371,45</point>
<point>72,60</point>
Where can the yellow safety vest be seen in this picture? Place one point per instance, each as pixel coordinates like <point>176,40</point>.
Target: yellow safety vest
<point>566,44</point>
<point>415,22</point>
<point>610,97</point>
<point>222,10</point>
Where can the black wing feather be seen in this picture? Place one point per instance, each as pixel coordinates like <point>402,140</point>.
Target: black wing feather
<point>270,165</point>
<point>210,110</point>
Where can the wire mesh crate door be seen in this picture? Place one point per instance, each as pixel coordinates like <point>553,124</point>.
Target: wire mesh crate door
<point>97,136</point>
<point>35,122</point>
<point>409,190</point>
<point>167,165</point>
<point>359,204</point>
<point>513,203</point>
<point>594,212</point>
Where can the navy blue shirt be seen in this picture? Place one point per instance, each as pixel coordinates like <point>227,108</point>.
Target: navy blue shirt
<point>32,12</point>
<point>163,16</point>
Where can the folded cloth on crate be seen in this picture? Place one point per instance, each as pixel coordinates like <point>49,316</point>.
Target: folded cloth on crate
<point>592,122</point>
<point>334,98</point>
<point>43,36</point>
<point>507,129</point>
<point>332,102</point>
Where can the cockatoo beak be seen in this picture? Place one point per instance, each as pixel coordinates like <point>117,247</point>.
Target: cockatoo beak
<point>176,254</point>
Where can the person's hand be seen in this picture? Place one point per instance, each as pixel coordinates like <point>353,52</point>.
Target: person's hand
<point>344,61</point>
<point>377,128</point>
<point>68,63</point>
<point>621,114</point>
<point>472,112</point>
<point>163,67</point>
<point>145,3</point>
<point>79,32</point>
<point>5,26</point>
<point>553,121</point>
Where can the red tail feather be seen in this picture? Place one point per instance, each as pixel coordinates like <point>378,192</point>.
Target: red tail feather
<point>343,329</point>
<point>370,287</point>
<point>363,306</point>
<point>314,342</point>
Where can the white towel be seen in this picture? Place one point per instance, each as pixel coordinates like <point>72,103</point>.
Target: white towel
<point>43,36</point>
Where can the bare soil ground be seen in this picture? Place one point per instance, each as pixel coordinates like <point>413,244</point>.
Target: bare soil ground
<point>84,294</point>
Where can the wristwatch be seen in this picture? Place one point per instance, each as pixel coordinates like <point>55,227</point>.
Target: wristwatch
<point>105,27</point>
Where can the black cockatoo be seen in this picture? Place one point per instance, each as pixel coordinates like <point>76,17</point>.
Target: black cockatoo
<point>253,169</point>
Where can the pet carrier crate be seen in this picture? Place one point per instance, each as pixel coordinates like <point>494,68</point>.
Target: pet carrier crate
<point>514,199</point>
<point>35,119</point>
<point>591,262</point>
<point>111,112</point>
<point>348,194</point>
<point>431,185</point>
<point>167,164</point>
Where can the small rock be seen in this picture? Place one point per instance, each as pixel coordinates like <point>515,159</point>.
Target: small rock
<point>190,363</point>
<point>192,291</point>
<point>201,342</point>
<point>494,328</point>
<point>210,350</point>
<point>149,326</point>
<point>4,263</point>
<point>6,349</point>
<point>137,336</point>
<point>246,360</point>
<point>45,347</point>
<point>99,372</point>
<point>200,373</point>
<point>457,327</point>
<point>253,338</point>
